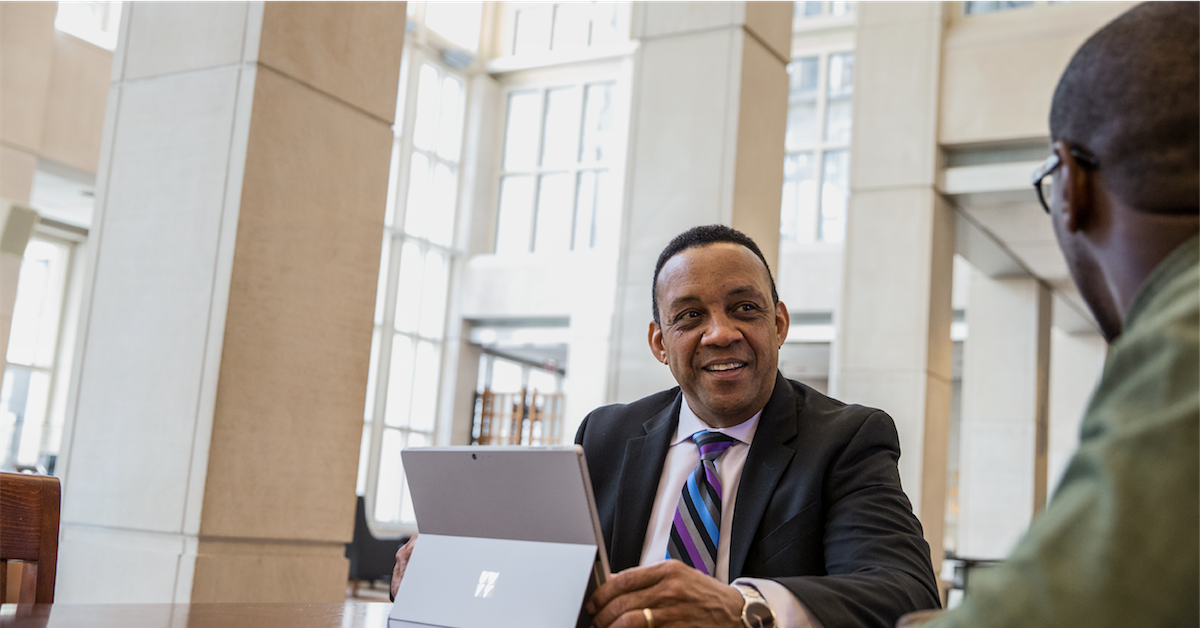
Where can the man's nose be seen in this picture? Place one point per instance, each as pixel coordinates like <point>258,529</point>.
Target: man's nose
<point>721,331</point>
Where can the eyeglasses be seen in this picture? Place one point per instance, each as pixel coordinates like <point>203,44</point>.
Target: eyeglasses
<point>1041,176</point>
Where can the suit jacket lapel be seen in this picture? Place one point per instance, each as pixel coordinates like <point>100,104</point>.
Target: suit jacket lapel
<point>765,463</point>
<point>640,472</point>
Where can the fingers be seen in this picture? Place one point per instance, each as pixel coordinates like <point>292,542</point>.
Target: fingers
<point>675,594</point>
<point>627,582</point>
<point>402,557</point>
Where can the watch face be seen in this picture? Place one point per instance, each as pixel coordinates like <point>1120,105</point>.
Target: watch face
<point>758,615</point>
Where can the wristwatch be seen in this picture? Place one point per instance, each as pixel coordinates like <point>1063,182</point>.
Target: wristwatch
<point>756,613</point>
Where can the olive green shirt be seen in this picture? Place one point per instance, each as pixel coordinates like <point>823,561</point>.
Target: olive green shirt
<point>1118,543</point>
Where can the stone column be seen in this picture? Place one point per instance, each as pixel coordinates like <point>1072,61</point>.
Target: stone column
<point>706,146</point>
<point>221,368</point>
<point>1005,403</point>
<point>893,348</point>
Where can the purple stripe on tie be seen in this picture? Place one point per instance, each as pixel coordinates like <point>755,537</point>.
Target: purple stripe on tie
<point>711,474</point>
<point>689,545</point>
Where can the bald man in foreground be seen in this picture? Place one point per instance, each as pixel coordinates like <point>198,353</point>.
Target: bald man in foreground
<point>1119,544</point>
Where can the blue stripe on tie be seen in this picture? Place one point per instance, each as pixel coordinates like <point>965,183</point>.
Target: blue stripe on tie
<point>698,501</point>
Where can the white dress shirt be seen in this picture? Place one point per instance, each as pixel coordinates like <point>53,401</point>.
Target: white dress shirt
<point>682,458</point>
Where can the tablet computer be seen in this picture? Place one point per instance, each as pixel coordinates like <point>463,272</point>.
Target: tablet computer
<point>508,536</point>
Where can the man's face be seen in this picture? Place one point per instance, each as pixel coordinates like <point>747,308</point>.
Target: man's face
<point>720,334</point>
<point>1072,229</point>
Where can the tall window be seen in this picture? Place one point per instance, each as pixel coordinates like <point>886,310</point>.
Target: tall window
<point>979,8</point>
<point>418,254</point>
<point>816,182</point>
<point>555,186</point>
<point>810,10</point>
<point>31,409</point>
<point>544,27</point>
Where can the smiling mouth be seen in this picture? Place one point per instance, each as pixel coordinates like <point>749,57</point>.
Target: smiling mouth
<point>723,368</point>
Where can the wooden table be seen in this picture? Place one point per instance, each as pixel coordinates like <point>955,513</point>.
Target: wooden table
<point>323,615</point>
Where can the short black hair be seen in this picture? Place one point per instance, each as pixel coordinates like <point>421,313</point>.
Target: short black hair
<point>703,236</point>
<point>1131,96</point>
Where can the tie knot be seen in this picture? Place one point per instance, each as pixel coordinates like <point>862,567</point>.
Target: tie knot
<point>712,444</point>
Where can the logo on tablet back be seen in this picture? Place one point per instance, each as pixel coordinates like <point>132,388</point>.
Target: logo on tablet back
<point>487,582</point>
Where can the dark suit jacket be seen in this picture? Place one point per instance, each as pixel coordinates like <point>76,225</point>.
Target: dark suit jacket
<point>819,508</point>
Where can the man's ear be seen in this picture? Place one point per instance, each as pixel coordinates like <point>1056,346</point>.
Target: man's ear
<point>1073,187</point>
<point>782,321</point>
<point>655,339</point>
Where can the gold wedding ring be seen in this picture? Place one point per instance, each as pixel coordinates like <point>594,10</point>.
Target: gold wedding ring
<point>649,617</point>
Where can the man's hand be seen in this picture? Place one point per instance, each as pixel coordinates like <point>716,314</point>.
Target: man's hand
<point>677,595</point>
<point>402,556</point>
<point>917,618</point>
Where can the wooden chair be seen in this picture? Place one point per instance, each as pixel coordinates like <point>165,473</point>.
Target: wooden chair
<point>29,533</point>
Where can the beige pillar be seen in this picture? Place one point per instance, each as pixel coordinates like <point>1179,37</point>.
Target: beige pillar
<point>893,348</point>
<point>1005,404</point>
<point>218,389</point>
<point>706,146</point>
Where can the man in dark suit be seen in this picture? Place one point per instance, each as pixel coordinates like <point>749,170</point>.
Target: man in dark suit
<point>801,508</point>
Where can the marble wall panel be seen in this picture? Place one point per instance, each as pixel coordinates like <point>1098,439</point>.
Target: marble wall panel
<point>150,566</point>
<point>337,48</point>
<point>170,37</point>
<point>16,174</point>
<point>288,416</point>
<point>660,19</point>
<point>26,59</point>
<point>149,310</point>
<point>75,106</point>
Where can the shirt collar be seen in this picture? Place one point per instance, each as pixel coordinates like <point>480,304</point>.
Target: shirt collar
<point>1177,262</point>
<point>689,424</point>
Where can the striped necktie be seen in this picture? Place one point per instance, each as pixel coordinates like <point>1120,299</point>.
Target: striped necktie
<point>697,524</point>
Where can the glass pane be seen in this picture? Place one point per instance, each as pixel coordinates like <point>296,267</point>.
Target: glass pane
<point>608,216</point>
<point>585,211</point>
<point>416,210</point>
<point>835,191</point>
<point>457,21</point>
<point>543,381</point>
<point>842,8</point>
<point>433,295</point>
<point>407,515</point>
<point>400,374</point>
<point>385,267</point>
<point>979,8</point>
<point>802,103</point>
<point>555,196</point>
<point>571,21</point>
<point>533,30</point>
<point>597,122</point>
<point>440,221</point>
<point>521,131</point>
<point>839,114</point>
<point>425,388</point>
<point>506,376</point>
<point>798,216</point>
<point>408,288</point>
<point>402,98</point>
<point>604,23</point>
<point>364,457</point>
<point>515,224</point>
<point>562,126</point>
<point>389,212</point>
<point>425,131</point>
<point>807,9</point>
<point>34,332</point>
<point>450,131</point>
<point>391,477</point>
<point>23,399</point>
<point>372,376</point>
